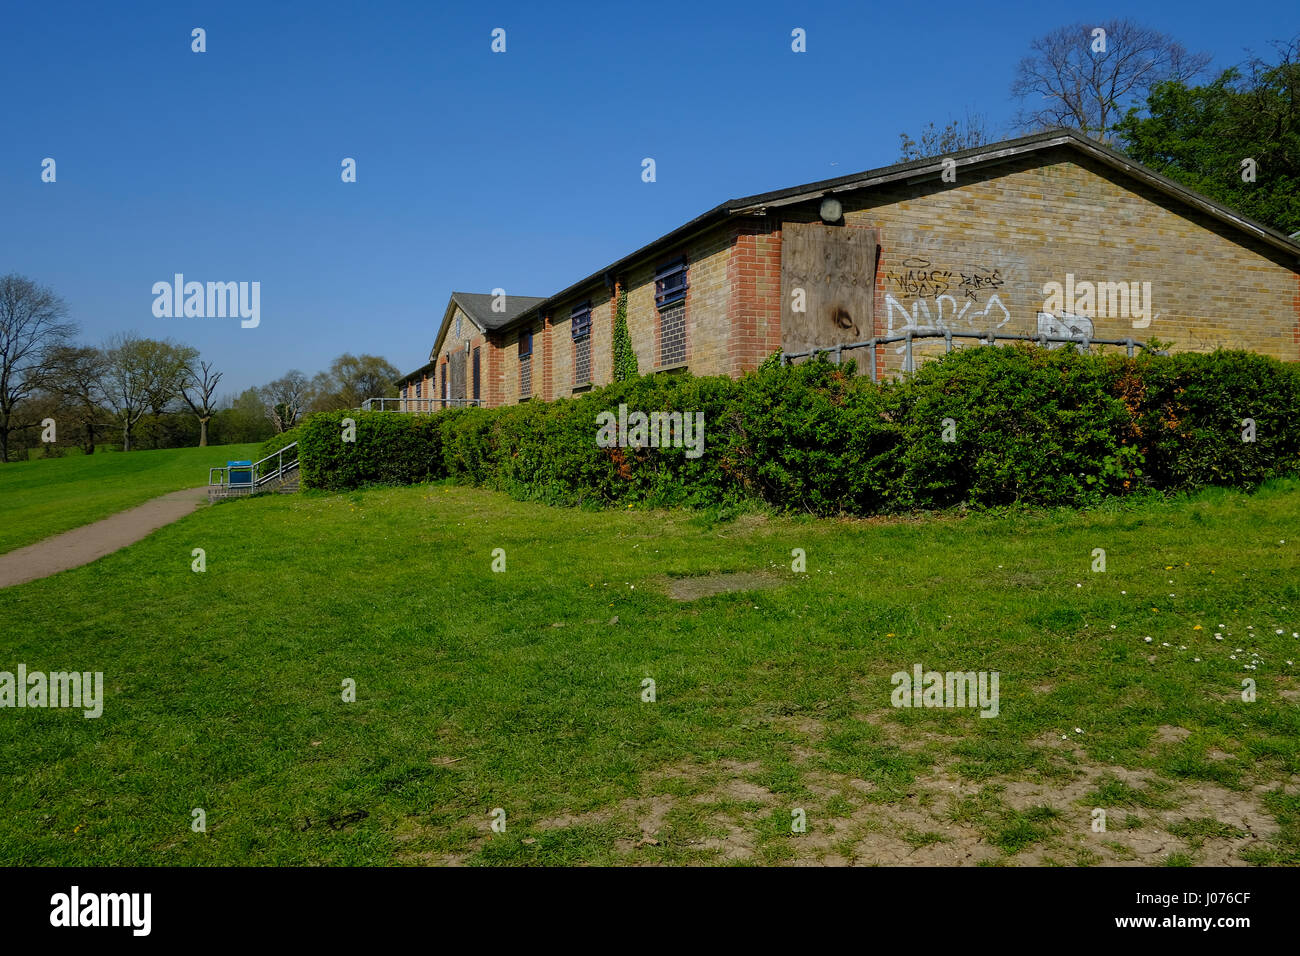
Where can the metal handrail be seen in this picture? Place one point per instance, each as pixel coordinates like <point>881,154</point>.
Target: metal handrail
<point>417,406</point>
<point>280,466</point>
<point>987,337</point>
<point>219,475</point>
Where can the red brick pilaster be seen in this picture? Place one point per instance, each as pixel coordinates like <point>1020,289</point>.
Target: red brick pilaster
<point>491,372</point>
<point>548,357</point>
<point>754,304</point>
<point>1295,307</point>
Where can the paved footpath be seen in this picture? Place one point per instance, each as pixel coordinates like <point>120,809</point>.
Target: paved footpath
<point>91,542</point>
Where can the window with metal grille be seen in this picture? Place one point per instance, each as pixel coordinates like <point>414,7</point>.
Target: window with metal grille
<point>580,328</point>
<point>670,283</point>
<point>580,320</point>
<point>445,394</point>
<point>417,389</point>
<point>477,395</point>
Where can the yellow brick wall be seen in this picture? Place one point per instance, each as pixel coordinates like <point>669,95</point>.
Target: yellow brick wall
<point>469,332</point>
<point>975,255</point>
<point>707,322</point>
<point>454,343</point>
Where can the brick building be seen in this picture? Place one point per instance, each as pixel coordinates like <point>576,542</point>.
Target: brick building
<point>1049,234</point>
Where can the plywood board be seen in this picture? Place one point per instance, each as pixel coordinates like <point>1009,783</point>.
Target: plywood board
<point>835,267</point>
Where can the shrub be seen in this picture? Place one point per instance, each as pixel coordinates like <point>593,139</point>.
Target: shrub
<point>1028,425</point>
<point>1189,413</point>
<point>390,448</point>
<point>815,438</point>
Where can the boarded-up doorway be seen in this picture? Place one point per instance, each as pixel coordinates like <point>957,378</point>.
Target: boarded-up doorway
<point>831,272</point>
<point>457,362</point>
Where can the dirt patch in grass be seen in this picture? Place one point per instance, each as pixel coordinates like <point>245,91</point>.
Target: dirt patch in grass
<point>708,585</point>
<point>941,819</point>
<point>1166,734</point>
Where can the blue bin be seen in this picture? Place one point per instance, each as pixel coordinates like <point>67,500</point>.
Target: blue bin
<point>239,472</point>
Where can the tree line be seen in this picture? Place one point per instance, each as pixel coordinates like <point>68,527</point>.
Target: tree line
<point>1234,137</point>
<point>133,392</point>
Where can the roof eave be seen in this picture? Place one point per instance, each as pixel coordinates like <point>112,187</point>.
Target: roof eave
<point>708,220</point>
<point>921,170</point>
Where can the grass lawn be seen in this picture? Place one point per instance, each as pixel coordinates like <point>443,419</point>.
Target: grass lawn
<point>522,690</point>
<point>45,496</point>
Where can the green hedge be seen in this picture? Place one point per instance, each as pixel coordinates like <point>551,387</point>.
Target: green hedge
<point>1188,412</point>
<point>1029,424</point>
<point>982,426</point>
<point>385,448</point>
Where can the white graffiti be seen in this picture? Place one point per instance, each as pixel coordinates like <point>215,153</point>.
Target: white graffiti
<point>1076,326</point>
<point>943,319</point>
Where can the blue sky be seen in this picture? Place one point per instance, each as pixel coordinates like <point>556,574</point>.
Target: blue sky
<point>475,170</point>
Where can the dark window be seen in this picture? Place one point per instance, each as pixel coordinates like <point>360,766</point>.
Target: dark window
<point>525,344</point>
<point>477,396</point>
<point>670,283</point>
<point>580,320</point>
<point>444,380</point>
<point>417,389</point>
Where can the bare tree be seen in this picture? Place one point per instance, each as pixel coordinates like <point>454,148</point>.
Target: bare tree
<point>1081,77</point>
<point>141,374</point>
<point>956,135</point>
<point>32,329</point>
<point>198,390</point>
<point>79,370</point>
<point>285,398</point>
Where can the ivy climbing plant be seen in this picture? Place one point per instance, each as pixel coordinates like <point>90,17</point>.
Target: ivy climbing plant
<point>625,366</point>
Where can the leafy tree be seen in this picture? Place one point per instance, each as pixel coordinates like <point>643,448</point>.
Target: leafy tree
<point>1200,136</point>
<point>141,374</point>
<point>241,419</point>
<point>79,370</point>
<point>166,429</point>
<point>350,380</point>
